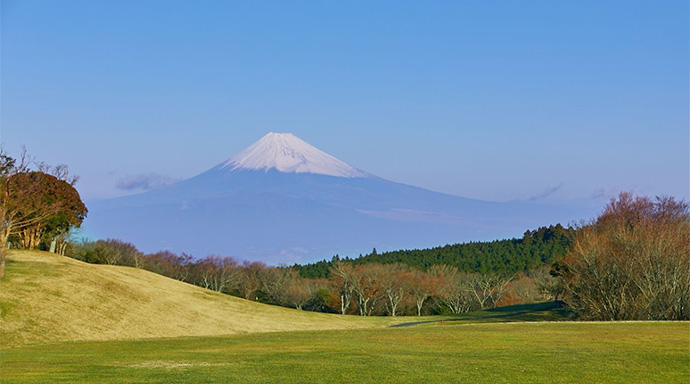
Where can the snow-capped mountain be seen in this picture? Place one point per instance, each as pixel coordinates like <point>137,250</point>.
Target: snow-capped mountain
<point>283,201</point>
<point>285,152</point>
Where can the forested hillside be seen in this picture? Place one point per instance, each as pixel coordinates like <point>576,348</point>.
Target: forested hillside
<point>538,248</point>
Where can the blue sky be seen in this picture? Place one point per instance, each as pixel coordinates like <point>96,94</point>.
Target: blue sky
<point>501,100</point>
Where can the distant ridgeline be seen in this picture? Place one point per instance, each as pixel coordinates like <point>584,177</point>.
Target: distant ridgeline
<point>535,249</point>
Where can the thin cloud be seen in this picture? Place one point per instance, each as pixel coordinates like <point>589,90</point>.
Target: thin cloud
<point>143,182</point>
<point>601,192</point>
<point>611,191</point>
<point>547,192</point>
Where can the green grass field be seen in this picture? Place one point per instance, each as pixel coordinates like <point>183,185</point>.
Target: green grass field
<point>66,321</point>
<point>449,352</point>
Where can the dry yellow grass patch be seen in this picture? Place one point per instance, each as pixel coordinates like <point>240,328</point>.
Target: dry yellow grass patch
<point>46,297</point>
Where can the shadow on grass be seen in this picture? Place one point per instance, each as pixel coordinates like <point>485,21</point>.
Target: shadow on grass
<point>546,311</point>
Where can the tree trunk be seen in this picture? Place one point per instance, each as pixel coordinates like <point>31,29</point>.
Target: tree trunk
<point>4,236</point>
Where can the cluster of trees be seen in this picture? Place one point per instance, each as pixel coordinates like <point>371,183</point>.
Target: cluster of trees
<point>631,262</point>
<point>251,280</point>
<point>38,205</point>
<point>536,249</point>
<point>392,289</point>
<point>364,289</point>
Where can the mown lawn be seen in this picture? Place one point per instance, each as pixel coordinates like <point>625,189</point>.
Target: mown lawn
<point>448,352</point>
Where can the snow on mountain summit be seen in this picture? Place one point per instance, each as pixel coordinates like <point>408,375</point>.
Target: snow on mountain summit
<point>286,152</point>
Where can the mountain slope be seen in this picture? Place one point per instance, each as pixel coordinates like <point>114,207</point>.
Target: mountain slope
<point>46,298</point>
<point>284,201</point>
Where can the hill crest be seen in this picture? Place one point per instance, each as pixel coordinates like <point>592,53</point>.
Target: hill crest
<point>47,298</point>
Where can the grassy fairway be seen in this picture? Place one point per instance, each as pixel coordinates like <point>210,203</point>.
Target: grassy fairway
<point>450,352</point>
<point>57,301</point>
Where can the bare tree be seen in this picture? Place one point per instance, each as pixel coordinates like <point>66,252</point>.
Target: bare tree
<point>487,288</point>
<point>221,274</point>
<point>299,292</point>
<point>631,262</point>
<point>342,276</point>
<point>452,288</point>
<point>60,171</point>
<point>168,264</point>
<point>274,282</point>
<point>250,279</point>
<point>367,283</point>
<point>395,282</point>
<point>422,286</point>
<point>114,252</point>
<point>548,286</point>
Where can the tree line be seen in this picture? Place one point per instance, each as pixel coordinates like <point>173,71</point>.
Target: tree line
<point>362,289</point>
<point>630,262</point>
<point>536,249</point>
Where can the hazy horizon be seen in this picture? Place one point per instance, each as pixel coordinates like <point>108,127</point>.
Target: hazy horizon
<point>538,101</point>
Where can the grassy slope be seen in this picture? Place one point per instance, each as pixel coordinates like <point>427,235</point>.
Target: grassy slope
<point>449,352</point>
<point>47,298</point>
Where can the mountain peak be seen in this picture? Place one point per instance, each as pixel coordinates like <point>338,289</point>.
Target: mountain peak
<point>287,153</point>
